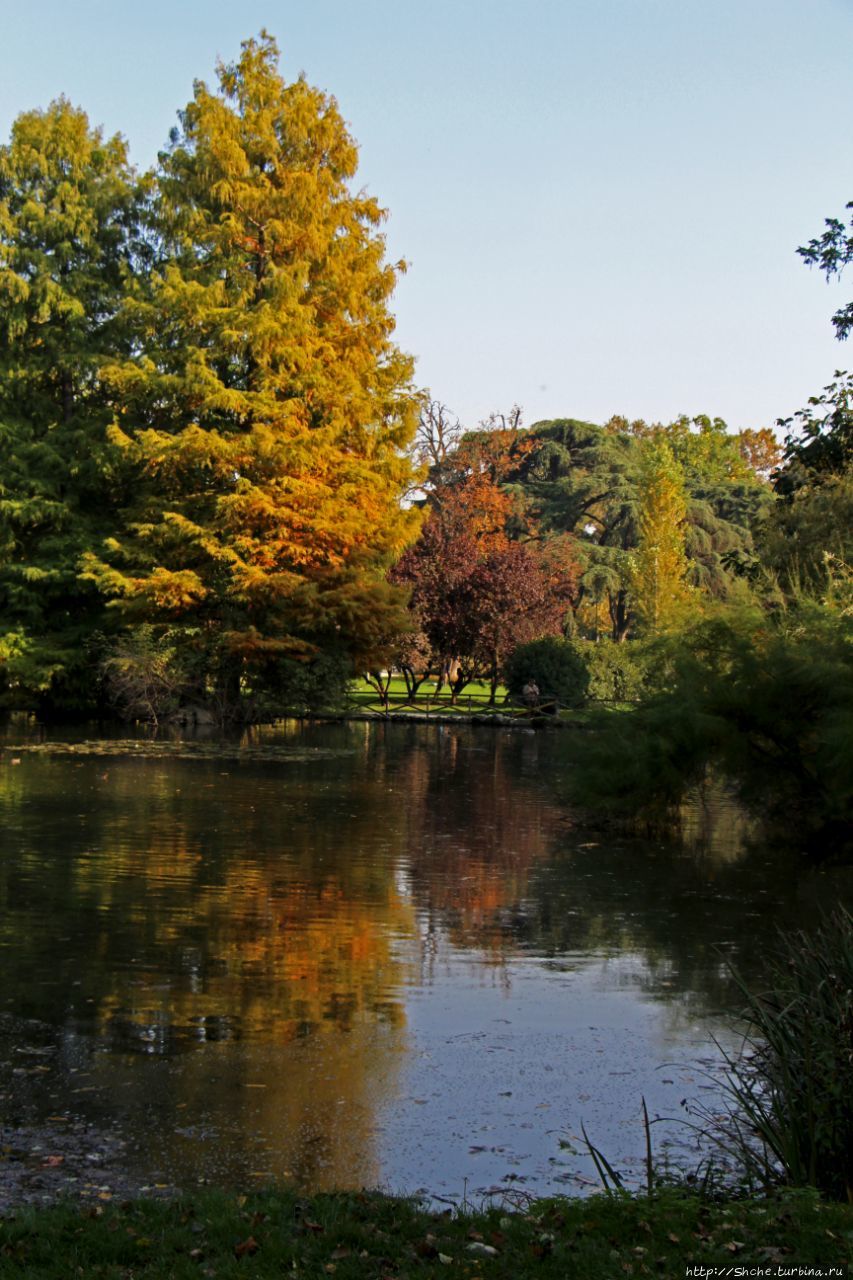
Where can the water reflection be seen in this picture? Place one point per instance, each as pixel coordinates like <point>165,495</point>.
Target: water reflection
<point>355,954</point>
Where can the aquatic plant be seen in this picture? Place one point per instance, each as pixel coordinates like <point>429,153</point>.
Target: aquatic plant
<point>791,1089</point>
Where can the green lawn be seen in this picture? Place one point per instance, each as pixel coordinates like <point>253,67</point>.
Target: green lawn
<point>474,697</point>
<point>371,1237</point>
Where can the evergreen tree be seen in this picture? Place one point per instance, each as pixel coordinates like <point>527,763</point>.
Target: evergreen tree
<point>69,238</point>
<point>586,480</point>
<point>267,408</point>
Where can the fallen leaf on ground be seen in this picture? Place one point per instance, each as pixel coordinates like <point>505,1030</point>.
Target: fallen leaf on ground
<point>246,1247</point>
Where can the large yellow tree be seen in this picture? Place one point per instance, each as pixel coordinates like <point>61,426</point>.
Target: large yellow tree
<point>266,406</point>
<point>660,593</point>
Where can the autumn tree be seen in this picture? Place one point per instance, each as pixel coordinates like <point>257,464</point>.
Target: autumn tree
<point>658,572</point>
<point>761,451</point>
<point>475,600</point>
<point>434,572</point>
<point>266,408</point>
<point>71,251</point>
<point>514,595</point>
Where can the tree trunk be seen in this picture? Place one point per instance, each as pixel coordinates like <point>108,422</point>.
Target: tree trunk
<point>67,396</point>
<point>493,680</point>
<point>228,690</point>
<point>620,617</point>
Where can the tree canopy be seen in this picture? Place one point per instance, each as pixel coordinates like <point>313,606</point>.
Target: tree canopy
<point>832,252</point>
<point>71,246</point>
<point>264,407</point>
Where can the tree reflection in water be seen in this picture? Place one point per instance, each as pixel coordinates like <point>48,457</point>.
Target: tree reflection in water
<point>223,949</point>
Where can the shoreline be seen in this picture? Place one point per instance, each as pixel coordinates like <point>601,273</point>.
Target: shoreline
<point>370,1235</point>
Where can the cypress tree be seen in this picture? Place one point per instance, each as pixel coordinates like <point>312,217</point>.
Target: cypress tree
<point>658,573</point>
<point>70,211</point>
<point>266,408</point>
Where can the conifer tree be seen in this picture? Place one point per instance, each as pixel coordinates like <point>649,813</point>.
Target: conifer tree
<point>267,409</point>
<point>658,568</point>
<point>70,211</point>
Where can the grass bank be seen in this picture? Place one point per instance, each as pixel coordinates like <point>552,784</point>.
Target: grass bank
<point>473,704</point>
<point>368,1236</point>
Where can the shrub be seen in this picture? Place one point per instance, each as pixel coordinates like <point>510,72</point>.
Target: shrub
<point>320,684</point>
<point>554,666</point>
<point>617,672</point>
<point>762,702</point>
<point>144,674</point>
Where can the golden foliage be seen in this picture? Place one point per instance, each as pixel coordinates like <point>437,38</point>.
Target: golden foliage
<point>270,412</point>
<point>658,569</point>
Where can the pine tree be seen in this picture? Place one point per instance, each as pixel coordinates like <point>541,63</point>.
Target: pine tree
<point>658,569</point>
<point>267,408</point>
<point>70,212</point>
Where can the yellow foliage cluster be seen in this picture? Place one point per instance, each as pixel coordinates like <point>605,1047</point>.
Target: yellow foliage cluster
<point>660,592</point>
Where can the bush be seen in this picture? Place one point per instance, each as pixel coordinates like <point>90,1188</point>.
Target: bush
<point>320,684</point>
<point>144,674</point>
<point>554,667</point>
<point>617,672</point>
<point>763,702</point>
<point>793,1088</point>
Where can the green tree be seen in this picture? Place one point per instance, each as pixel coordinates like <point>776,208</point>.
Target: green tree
<point>658,572</point>
<point>267,407</point>
<point>586,480</point>
<point>582,479</point>
<point>70,246</point>
<point>832,252</point>
<point>819,442</point>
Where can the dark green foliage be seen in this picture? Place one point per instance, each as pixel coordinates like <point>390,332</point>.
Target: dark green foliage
<point>820,438</point>
<point>70,243</point>
<point>721,523</point>
<point>584,480</point>
<point>317,685</point>
<point>832,252</point>
<point>792,1087</point>
<point>767,703</point>
<point>554,666</point>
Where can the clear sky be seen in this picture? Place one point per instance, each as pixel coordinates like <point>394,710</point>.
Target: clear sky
<point>600,200</point>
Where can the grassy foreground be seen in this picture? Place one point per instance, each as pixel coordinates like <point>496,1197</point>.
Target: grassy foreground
<point>354,1236</point>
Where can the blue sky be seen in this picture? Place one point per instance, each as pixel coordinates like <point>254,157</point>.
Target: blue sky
<point>600,200</point>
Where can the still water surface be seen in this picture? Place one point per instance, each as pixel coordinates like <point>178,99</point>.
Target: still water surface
<point>362,955</point>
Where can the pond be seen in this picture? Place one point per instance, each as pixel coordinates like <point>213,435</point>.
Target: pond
<point>361,955</point>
